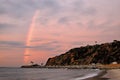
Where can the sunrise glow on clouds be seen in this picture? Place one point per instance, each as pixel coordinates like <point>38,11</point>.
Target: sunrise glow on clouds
<point>59,26</point>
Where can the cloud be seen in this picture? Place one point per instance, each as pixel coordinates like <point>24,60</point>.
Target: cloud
<point>51,4</point>
<point>45,45</point>
<point>4,27</point>
<point>66,12</point>
<point>25,8</point>
<point>11,29</point>
<point>17,9</point>
<point>11,44</point>
<point>15,44</point>
<point>49,7</point>
<point>60,26</point>
<point>64,20</point>
<point>80,7</point>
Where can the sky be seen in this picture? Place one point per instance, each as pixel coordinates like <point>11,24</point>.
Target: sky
<point>35,30</point>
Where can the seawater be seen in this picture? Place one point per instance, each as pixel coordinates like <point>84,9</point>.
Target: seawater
<point>49,74</point>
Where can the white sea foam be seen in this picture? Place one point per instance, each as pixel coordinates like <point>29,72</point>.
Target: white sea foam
<point>89,75</point>
<point>86,76</point>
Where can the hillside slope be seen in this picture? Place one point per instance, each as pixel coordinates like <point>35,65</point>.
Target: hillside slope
<point>103,53</point>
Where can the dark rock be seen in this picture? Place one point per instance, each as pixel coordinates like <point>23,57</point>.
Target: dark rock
<point>104,54</point>
<point>31,66</point>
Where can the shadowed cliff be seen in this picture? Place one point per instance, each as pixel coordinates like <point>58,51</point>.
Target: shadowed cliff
<point>100,53</point>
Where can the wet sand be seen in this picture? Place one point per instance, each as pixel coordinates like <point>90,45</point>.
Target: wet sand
<point>113,74</point>
<point>99,76</point>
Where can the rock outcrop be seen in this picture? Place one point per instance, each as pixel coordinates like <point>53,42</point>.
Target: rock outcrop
<point>100,53</point>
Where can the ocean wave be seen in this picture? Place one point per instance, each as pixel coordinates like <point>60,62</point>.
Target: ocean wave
<point>91,75</point>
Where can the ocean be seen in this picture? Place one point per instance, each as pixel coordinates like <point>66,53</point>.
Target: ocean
<point>53,74</point>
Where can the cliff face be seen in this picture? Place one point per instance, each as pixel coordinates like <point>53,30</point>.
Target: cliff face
<point>104,53</point>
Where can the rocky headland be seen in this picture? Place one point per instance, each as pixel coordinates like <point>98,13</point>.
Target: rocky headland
<point>105,54</point>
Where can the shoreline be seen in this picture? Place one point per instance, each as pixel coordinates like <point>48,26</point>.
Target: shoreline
<point>113,74</point>
<point>99,76</point>
<point>107,67</point>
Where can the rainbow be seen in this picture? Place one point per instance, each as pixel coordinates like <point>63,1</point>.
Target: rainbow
<point>29,37</point>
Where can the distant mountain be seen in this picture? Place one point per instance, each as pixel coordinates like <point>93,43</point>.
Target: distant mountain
<point>100,53</point>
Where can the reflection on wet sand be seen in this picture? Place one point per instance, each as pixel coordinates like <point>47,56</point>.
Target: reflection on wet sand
<point>98,79</point>
<point>100,76</point>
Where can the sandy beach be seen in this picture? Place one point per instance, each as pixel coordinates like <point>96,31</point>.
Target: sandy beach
<point>113,74</point>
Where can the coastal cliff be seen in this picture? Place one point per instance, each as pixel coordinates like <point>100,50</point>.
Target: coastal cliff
<point>105,53</point>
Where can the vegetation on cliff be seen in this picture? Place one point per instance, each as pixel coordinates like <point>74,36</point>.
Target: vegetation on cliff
<point>100,53</point>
